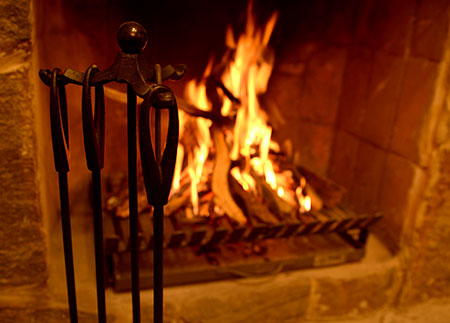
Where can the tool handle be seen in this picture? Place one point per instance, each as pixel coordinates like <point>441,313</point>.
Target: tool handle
<point>93,126</point>
<point>158,175</point>
<point>58,123</point>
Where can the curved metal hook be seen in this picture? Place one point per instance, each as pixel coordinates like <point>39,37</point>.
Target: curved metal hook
<point>93,127</point>
<point>58,123</point>
<point>158,176</point>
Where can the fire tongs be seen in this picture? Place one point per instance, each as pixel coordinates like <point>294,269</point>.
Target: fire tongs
<point>129,67</point>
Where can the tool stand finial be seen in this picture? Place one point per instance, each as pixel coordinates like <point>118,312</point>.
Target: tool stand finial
<point>132,37</point>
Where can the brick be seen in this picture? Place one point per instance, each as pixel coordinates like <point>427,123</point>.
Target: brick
<point>401,186</point>
<point>354,92</point>
<point>323,79</point>
<point>386,25</point>
<point>343,21</point>
<point>285,90</point>
<point>313,144</point>
<point>431,29</point>
<point>415,102</point>
<point>343,159</point>
<point>383,93</point>
<point>369,168</point>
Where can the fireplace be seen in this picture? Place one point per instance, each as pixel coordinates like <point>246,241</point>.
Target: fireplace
<point>359,89</point>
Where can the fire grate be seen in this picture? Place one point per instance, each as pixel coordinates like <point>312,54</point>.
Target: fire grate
<point>216,247</point>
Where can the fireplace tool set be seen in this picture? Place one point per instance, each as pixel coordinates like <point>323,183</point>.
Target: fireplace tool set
<point>157,165</point>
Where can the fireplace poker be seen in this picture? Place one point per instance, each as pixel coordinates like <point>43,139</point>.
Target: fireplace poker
<point>158,172</point>
<point>60,142</point>
<point>94,143</point>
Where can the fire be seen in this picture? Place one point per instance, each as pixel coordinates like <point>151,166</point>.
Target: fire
<point>245,75</point>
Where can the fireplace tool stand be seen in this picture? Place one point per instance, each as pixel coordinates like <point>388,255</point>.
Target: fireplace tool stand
<point>157,166</point>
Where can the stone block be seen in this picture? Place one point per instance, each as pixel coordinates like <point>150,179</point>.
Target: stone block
<point>15,26</point>
<point>382,100</point>
<point>354,92</point>
<point>402,185</point>
<point>23,252</point>
<point>427,249</point>
<point>244,301</point>
<point>322,88</point>
<point>431,29</point>
<point>312,142</point>
<point>386,25</point>
<point>369,168</point>
<point>343,158</point>
<point>413,111</point>
<point>352,294</point>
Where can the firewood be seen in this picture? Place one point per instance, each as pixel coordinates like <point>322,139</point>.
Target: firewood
<point>316,200</point>
<point>275,203</point>
<point>178,200</point>
<point>255,210</point>
<point>220,185</point>
<point>330,192</point>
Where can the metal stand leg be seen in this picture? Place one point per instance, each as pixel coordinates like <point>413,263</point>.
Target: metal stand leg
<point>132,189</point>
<point>158,229</point>
<point>67,241</point>
<point>98,239</point>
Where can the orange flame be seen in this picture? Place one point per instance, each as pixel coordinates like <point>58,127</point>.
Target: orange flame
<point>246,76</point>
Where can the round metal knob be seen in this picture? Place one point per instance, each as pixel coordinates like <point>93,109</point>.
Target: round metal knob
<point>132,37</point>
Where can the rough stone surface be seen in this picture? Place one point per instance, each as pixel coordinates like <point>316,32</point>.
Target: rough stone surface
<point>429,275</point>
<point>48,315</point>
<point>22,244</point>
<point>15,27</point>
<point>355,302</point>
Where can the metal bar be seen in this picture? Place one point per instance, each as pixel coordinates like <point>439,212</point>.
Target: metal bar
<point>158,229</point>
<point>98,239</point>
<point>133,204</point>
<point>158,119</point>
<point>158,224</point>
<point>67,242</point>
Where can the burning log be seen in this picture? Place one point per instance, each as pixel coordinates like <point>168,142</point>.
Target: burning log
<point>220,186</point>
<point>276,204</point>
<point>254,209</point>
<point>330,192</point>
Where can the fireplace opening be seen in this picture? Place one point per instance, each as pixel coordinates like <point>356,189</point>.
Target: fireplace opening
<point>350,100</point>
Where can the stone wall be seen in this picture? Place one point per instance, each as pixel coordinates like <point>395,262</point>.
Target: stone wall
<point>22,242</point>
